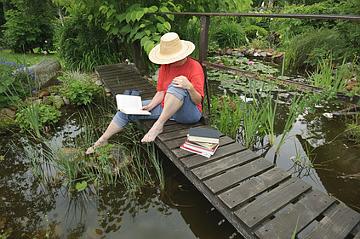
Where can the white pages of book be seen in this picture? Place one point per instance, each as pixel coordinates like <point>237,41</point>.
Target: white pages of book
<point>130,104</point>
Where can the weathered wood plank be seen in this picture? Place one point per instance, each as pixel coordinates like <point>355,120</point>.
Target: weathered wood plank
<point>357,235</point>
<point>252,187</point>
<point>224,164</point>
<point>298,215</point>
<point>180,153</point>
<point>237,175</point>
<point>260,209</point>
<point>174,135</point>
<point>198,160</point>
<point>176,127</point>
<point>173,144</point>
<point>336,225</point>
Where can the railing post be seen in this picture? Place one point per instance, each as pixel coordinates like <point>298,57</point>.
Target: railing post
<point>203,48</point>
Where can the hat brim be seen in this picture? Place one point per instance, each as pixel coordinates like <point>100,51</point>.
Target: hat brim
<point>156,57</point>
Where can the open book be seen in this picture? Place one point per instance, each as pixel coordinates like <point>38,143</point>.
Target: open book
<point>130,104</point>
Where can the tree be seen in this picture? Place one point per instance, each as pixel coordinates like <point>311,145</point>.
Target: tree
<point>29,25</point>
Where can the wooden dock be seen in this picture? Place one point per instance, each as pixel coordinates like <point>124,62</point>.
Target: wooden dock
<point>259,199</point>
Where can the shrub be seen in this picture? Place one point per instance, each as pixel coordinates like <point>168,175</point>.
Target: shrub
<point>29,25</point>
<point>83,45</point>
<point>34,116</point>
<point>229,34</point>
<point>78,88</point>
<point>306,50</point>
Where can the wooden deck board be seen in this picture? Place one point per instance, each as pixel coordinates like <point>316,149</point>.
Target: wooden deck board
<point>224,164</point>
<point>337,225</point>
<point>197,160</point>
<point>252,187</point>
<point>237,175</point>
<point>297,215</point>
<point>258,210</point>
<point>258,200</point>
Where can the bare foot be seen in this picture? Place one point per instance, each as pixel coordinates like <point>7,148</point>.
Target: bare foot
<point>97,144</point>
<point>150,136</point>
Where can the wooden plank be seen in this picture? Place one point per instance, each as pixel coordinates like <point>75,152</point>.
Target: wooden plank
<point>173,144</point>
<point>224,164</point>
<point>174,135</point>
<point>253,187</point>
<point>260,209</point>
<point>298,215</point>
<point>337,225</point>
<point>237,175</point>
<point>357,235</point>
<point>240,226</point>
<point>180,153</point>
<point>170,128</point>
<point>198,160</point>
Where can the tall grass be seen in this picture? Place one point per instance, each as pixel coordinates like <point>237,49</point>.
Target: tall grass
<point>330,78</point>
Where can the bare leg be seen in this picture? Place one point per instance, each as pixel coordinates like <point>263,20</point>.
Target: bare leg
<point>171,106</point>
<point>110,131</point>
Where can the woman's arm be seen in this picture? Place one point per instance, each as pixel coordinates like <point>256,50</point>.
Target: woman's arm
<point>155,101</point>
<point>183,82</point>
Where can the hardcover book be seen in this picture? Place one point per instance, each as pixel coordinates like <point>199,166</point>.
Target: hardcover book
<point>204,135</point>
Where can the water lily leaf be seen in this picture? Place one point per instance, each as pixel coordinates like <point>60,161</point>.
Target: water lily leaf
<point>81,186</point>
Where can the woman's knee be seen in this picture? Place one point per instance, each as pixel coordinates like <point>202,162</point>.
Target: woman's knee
<point>120,119</point>
<point>178,92</point>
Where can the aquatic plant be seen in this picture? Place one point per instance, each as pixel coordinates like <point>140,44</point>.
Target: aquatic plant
<point>352,132</point>
<point>297,106</point>
<point>34,116</point>
<point>79,88</point>
<point>324,77</point>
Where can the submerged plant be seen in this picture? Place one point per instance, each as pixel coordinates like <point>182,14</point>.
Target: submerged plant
<point>352,132</point>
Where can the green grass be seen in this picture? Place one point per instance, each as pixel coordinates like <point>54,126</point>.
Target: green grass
<point>26,59</point>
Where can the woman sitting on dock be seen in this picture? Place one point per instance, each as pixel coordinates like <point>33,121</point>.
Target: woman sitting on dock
<point>180,90</point>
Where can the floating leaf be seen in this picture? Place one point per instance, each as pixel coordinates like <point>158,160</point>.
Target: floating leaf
<point>81,186</point>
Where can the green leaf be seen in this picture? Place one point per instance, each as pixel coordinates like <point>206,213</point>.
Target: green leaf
<point>152,9</point>
<point>103,9</point>
<point>164,9</point>
<point>167,26</point>
<point>81,186</point>
<point>160,27</point>
<point>121,17</point>
<point>138,36</point>
<point>160,19</point>
<point>114,30</point>
<point>139,14</point>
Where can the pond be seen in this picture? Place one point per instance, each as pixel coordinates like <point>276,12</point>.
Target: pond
<point>315,150</point>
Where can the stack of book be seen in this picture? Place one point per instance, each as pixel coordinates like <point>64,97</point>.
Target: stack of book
<point>202,141</point>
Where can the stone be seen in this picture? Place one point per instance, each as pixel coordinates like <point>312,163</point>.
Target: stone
<point>66,100</point>
<point>98,82</point>
<point>43,93</point>
<point>7,113</point>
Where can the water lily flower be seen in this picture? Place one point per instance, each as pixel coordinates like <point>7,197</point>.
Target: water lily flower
<point>251,62</point>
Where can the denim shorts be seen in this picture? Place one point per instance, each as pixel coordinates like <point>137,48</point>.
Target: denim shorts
<point>187,114</point>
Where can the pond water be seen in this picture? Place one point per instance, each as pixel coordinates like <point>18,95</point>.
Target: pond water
<point>315,150</point>
<point>30,208</point>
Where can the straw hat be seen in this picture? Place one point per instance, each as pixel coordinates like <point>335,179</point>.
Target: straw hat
<point>170,49</point>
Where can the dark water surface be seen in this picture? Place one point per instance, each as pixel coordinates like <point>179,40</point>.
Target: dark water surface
<point>31,209</point>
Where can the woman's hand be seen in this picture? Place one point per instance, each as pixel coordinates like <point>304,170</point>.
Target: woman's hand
<point>182,82</point>
<point>148,107</point>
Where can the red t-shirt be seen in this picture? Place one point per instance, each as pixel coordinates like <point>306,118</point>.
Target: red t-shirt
<point>191,69</point>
